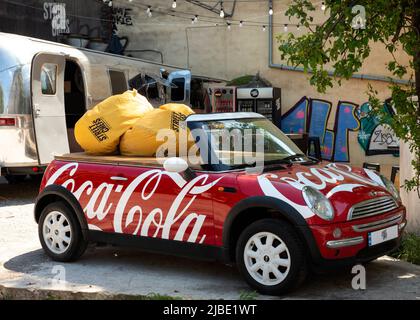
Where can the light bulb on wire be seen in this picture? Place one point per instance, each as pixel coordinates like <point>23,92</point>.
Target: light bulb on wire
<point>323,6</point>
<point>195,18</point>
<point>241,23</point>
<point>149,14</point>
<point>222,12</point>
<point>263,28</point>
<point>192,21</point>
<point>285,28</point>
<point>110,4</point>
<point>228,26</point>
<point>298,27</point>
<point>270,11</point>
<point>149,8</point>
<point>174,4</point>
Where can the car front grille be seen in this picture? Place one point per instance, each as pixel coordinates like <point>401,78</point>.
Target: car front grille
<point>372,207</point>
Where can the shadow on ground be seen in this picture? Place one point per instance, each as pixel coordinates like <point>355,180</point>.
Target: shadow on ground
<point>20,193</point>
<point>128,271</point>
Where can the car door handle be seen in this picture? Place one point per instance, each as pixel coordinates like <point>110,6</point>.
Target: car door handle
<point>119,178</point>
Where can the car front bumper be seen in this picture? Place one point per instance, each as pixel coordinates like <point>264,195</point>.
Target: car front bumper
<point>347,243</point>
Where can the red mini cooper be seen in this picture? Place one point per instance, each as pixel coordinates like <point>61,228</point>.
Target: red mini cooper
<point>274,223</point>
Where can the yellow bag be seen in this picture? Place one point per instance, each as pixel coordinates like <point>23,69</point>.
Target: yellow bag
<point>100,129</point>
<point>177,107</point>
<point>140,140</point>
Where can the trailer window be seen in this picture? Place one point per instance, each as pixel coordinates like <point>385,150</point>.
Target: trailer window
<point>48,78</point>
<point>178,93</point>
<point>118,82</point>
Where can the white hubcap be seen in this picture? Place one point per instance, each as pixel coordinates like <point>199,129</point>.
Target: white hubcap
<point>267,258</point>
<point>57,232</point>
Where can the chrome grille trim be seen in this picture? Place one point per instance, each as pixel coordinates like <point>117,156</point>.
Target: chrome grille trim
<point>372,207</point>
<point>377,224</point>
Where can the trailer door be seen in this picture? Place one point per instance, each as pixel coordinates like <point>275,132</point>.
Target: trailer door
<point>47,87</point>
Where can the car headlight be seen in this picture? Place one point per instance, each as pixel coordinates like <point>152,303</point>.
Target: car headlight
<point>318,203</point>
<point>390,187</point>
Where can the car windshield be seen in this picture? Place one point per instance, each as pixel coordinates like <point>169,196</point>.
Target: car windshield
<point>238,143</point>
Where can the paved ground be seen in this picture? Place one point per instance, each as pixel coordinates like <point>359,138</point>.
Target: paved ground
<point>121,271</point>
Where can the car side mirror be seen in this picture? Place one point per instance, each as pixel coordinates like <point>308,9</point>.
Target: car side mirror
<point>179,165</point>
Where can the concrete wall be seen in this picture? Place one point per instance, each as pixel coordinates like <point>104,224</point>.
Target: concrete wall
<point>410,199</point>
<point>218,52</point>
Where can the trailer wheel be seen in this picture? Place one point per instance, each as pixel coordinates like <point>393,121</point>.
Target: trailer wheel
<point>271,257</point>
<point>60,233</point>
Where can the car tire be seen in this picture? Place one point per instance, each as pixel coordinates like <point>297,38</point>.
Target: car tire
<point>60,233</point>
<point>271,269</point>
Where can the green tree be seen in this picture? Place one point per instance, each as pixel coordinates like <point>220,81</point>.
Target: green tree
<point>343,42</point>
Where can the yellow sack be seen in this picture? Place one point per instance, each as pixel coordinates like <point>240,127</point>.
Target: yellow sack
<point>140,140</point>
<point>177,107</point>
<point>100,129</point>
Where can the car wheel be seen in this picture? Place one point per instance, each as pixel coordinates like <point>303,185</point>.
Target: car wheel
<point>271,257</point>
<point>60,233</point>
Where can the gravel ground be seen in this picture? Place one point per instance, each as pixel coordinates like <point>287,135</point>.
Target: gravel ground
<point>111,270</point>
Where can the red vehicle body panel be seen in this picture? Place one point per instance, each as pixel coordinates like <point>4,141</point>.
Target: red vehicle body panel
<point>150,202</point>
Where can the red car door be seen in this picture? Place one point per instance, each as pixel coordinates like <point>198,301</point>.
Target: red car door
<point>151,202</point>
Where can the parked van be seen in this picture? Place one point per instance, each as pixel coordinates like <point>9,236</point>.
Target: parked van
<point>45,87</point>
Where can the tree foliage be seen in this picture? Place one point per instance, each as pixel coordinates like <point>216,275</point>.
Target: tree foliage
<point>337,48</point>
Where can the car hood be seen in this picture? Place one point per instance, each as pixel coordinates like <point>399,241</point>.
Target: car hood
<point>342,184</point>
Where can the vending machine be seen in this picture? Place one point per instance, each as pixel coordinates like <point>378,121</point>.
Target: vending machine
<point>266,101</point>
<point>223,99</point>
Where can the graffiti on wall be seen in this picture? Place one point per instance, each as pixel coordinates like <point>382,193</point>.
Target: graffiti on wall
<point>375,136</point>
<point>122,16</point>
<point>312,116</point>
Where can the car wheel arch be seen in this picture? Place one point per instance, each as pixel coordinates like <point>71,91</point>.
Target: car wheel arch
<point>240,213</point>
<point>53,193</point>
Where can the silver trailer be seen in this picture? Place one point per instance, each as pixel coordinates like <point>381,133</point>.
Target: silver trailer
<point>45,87</point>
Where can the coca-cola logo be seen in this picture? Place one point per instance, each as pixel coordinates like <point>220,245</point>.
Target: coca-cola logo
<point>317,178</point>
<point>145,186</point>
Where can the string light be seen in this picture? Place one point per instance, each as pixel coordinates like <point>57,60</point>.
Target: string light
<point>264,28</point>
<point>222,12</point>
<point>228,26</point>
<point>110,4</point>
<point>241,23</point>
<point>285,28</point>
<point>174,4</point>
<point>323,6</point>
<point>270,11</point>
<point>172,14</point>
<point>192,21</point>
<point>195,18</point>
<point>150,13</point>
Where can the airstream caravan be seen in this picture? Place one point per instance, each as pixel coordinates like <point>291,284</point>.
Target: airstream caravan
<point>45,87</point>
